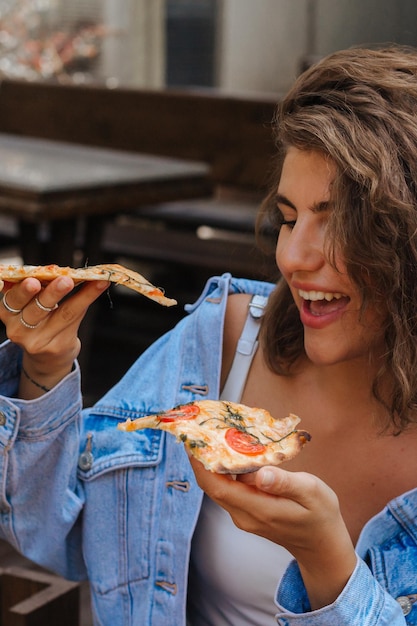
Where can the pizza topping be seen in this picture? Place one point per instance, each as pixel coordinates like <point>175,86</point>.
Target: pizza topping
<point>194,443</point>
<point>227,437</point>
<point>243,442</point>
<point>184,412</point>
<point>228,418</point>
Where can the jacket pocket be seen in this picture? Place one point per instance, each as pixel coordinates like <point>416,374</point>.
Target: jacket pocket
<point>120,502</point>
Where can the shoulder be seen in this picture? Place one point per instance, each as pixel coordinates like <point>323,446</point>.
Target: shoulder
<point>236,312</point>
<point>237,308</point>
<point>235,317</point>
<point>220,288</point>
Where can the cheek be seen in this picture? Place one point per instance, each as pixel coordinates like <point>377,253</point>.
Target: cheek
<point>277,256</point>
<point>375,322</point>
<point>368,329</point>
<point>281,241</point>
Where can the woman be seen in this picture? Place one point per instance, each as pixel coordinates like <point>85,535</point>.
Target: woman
<point>337,346</point>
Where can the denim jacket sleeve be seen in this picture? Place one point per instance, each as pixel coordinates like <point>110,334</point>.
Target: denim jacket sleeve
<point>43,435</point>
<point>46,496</point>
<point>363,602</point>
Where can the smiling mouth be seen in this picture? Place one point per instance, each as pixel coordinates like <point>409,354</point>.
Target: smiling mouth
<point>323,302</point>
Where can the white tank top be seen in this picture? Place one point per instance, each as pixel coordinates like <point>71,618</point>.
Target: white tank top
<point>234,574</point>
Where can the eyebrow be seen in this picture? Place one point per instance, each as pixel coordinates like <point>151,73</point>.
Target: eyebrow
<point>318,207</point>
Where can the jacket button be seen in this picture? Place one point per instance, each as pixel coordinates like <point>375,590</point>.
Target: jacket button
<point>180,485</point>
<point>2,418</point>
<point>407,602</point>
<point>85,461</point>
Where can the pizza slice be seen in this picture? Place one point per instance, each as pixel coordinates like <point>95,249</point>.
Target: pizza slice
<point>114,273</point>
<point>228,438</point>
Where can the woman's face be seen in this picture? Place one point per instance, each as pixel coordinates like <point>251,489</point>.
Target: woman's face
<point>327,300</point>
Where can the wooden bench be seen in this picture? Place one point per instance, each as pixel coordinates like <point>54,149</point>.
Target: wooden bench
<point>231,133</point>
<point>214,250</point>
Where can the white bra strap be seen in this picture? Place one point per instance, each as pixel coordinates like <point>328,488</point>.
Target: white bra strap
<point>245,351</point>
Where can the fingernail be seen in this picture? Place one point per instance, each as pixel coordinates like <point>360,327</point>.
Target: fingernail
<point>63,283</point>
<point>267,478</point>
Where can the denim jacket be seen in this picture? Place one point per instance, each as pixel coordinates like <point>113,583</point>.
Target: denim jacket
<point>73,499</point>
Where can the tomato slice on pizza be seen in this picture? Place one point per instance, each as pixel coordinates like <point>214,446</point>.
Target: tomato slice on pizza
<point>227,437</point>
<point>184,412</point>
<point>243,442</point>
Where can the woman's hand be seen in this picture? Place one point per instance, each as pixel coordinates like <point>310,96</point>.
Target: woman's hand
<point>47,333</point>
<point>293,509</point>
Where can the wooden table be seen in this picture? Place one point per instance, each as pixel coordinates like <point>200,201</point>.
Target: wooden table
<point>51,188</point>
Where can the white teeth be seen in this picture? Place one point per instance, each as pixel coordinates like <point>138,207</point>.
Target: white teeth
<point>319,295</point>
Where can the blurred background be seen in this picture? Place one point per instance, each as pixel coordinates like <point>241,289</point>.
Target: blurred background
<point>226,63</point>
<point>232,45</point>
<point>244,49</point>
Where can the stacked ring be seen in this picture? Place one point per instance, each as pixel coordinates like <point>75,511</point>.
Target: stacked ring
<point>26,324</point>
<point>8,307</point>
<point>42,307</point>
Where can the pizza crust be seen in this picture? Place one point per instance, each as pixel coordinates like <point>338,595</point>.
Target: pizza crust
<point>227,437</point>
<point>113,273</point>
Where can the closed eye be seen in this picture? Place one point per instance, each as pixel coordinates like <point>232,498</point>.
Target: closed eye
<point>285,209</point>
<point>289,223</point>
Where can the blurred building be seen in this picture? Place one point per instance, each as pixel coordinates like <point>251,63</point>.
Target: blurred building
<point>232,45</point>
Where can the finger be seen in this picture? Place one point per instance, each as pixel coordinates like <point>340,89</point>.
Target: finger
<point>18,296</point>
<point>274,480</point>
<point>300,487</point>
<point>91,290</point>
<point>207,480</point>
<point>44,301</point>
<point>248,507</point>
<point>53,293</point>
<point>45,304</point>
<point>222,488</point>
<point>74,308</point>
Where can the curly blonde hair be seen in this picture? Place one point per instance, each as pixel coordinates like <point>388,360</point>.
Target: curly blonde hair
<point>359,107</point>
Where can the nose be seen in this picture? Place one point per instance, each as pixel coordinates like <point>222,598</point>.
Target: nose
<point>300,248</point>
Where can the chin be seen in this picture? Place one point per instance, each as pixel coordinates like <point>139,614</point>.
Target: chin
<point>327,352</point>
<point>320,359</point>
<point>321,356</point>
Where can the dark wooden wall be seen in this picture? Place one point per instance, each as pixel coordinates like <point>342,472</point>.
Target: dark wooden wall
<point>233,134</point>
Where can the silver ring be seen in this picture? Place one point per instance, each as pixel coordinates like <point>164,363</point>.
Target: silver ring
<point>42,307</point>
<point>26,324</point>
<point>8,307</point>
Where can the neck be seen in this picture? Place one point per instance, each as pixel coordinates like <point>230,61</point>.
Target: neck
<point>346,389</point>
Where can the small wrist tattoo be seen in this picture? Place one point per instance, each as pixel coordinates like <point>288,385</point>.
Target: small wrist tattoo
<point>46,389</point>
